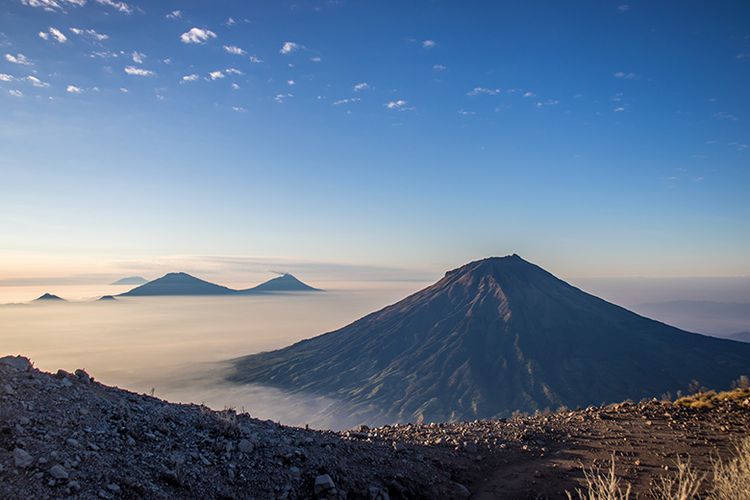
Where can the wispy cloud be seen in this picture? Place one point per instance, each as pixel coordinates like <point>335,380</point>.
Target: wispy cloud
<point>235,86</point>
<point>439,67</point>
<point>175,14</point>
<point>197,35</point>
<point>255,59</point>
<point>119,6</point>
<point>15,93</point>
<point>190,78</point>
<point>723,115</point>
<point>233,71</point>
<point>53,5</point>
<point>428,44</point>
<point>72,89</point>
<point>216,75</point>
<point>280,98</point>
<point>53,33</point>
<point>233,49</point>
<point>623,7</point>
<point>89,33</point>
<point>625,76</point>
<point>289,47</point>
<point>132,70</point>
<point>18,59</point>
<point>548,102</point>
<point>4,77</point>
<point>36,82</point>
<point>361,86</point>
<point>239,109</point>
<point>398,105</point>
<point>348,100</point>
<point>482,90</point>
<point>138,57</point>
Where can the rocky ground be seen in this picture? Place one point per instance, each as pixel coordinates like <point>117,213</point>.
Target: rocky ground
<point>65,435</point>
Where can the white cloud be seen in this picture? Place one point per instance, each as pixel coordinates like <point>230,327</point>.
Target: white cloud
<point>18,59</point>
<point>255,59</point>
<point>428,44</point>
<point>290,82</point>
<point>123,90</point>
<point>482,90</point>
<point>239,109</point>
<point>528,94</point>
<point>216,75</point>
<point>398,104</point>
<point>463,112</point>
<point>175,14</point>
<point>15,93</point>
<point>348,100</point>
<point>138,57</point>
<point>235,86</point>
<point>53,5</point>
<point>619,109</point>
<point>316,59</point>
<point>743,55</point>
<point>4,77</point>
<point>548,102</point>
<point>190,78</point>
<point>288,48</point>
<point>230,22</point>
<point>36,82</point>
<point>119,6</point>
<point>623,8</point>
<point>281,97</point>
<point>625,76</point>
<point>233,71</point>
<point>132,70</point>
<point>233,49</point>
<point>361,86</point>
<point>90,33</point>
<point>439,67</point>
<point>197,35</point>
<point>58,35</point>
<point>72,89</point>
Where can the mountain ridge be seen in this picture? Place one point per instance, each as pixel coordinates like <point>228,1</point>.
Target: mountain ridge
<point>180,283</point>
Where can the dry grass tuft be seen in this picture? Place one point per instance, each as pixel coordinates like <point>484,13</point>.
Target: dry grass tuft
<point>709,399</point>
<point>683,486</point>
<point>732,478</point>
<point>602,485</point>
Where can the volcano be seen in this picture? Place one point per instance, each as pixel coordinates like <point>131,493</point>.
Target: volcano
<point>492,337</point>
<point>178,284</point>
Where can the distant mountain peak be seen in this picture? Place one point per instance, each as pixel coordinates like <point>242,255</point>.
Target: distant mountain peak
<point>179,283</point>
<point>49,296</point>
<point>131,280</point>
<point>284,283</point>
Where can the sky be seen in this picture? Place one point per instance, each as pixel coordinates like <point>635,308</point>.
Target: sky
<point>595,138</point>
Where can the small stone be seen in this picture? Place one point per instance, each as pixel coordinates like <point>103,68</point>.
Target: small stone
<point>66,382</point>
<point>113,488</point>
<point>245,446</point>
<point>8,389</point>
<point>22,458</point>
<point>72,442</point>
<point>324,483</point>
<point>58,472</point>
<point>83,376</point>
<point>18,362</point>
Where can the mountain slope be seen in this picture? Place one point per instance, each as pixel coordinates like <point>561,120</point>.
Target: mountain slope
<point>130,280</point>
<point>48,296</point>
<point>178,284</point>
<point>284,283</point>
<point>491,337</point>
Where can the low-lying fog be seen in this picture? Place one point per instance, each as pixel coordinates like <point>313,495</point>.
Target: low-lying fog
<point>179,345</point>
<point>176,345</point>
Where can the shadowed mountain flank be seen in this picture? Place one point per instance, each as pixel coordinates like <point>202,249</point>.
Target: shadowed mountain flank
<point>49,297</point>
<point>283,283</point>
<point>491,337</point>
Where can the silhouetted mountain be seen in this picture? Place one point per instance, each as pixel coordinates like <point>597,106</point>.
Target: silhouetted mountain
<point>107,298</point>
<point>491,337</point>
<point>184,284</point>
<point>284,283</point>
<point>49,296</point>
<point>179,284</point>
<point>130,280</point>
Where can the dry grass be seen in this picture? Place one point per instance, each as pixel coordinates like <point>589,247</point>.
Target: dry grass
<point>683,486</point>
<point>602,485</point>
<point>709,399</point>
<point>731,479</point>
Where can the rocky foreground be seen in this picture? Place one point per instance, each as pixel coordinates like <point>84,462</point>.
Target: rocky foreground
<point>65,435</point>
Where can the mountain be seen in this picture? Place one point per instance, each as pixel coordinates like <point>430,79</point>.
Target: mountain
<point>740,336</point>
<point>130,280</point>
<point>284,283</point>
<point>107,298</point>
<point>491,337</point>
<point>184,284</point>
<point>50,297</point>
<point>178,284</point>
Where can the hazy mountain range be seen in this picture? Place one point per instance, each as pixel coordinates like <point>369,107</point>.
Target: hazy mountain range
<point>491,337</point>
<point>130,280</point>
<point>185,284</point>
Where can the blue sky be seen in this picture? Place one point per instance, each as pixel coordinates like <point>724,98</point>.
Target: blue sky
<point>596,138</point>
